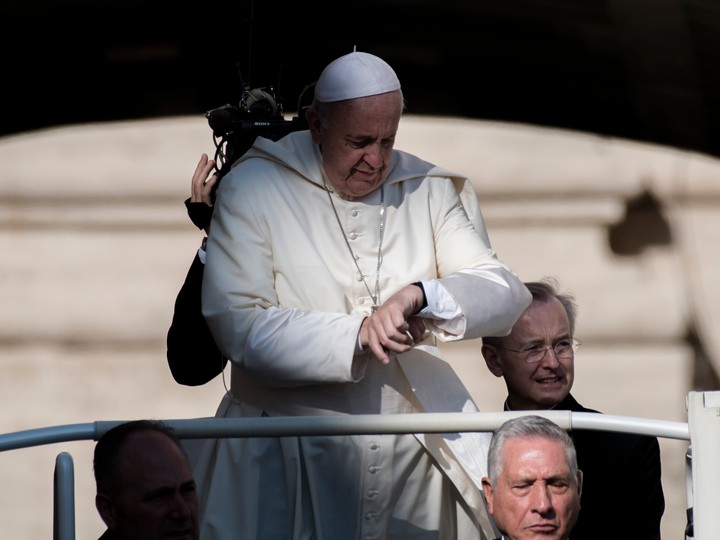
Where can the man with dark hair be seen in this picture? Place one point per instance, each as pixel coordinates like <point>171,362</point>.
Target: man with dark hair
<point>145,488</point>
<point>537,362</point>
<point>533,484</point>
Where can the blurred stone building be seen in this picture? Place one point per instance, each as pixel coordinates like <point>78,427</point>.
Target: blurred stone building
<point>97,243</point>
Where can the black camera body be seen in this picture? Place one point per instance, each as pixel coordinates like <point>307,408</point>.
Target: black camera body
<point>235,128</point>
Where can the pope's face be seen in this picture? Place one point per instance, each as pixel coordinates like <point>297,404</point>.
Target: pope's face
<point>540,385</point>
<point>536,496</point>
<point>357,142</point>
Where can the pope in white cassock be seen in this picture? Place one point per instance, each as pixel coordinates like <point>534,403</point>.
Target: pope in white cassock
<point>334,263</point>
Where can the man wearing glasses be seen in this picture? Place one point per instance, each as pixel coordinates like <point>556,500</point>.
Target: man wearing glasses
<point>622,494</point>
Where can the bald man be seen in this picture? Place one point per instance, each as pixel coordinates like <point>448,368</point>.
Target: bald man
<point>145,488</point>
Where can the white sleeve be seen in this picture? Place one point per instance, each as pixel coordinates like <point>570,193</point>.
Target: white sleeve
<point>441,308</point>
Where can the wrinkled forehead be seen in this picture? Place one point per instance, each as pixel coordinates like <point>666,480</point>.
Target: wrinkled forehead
<point>535,455</point>
<point>370,118</point>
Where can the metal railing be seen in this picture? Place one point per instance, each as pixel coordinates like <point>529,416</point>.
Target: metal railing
<point>702,431</point>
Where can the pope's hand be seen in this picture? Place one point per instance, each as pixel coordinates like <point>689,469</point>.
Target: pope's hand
<point>393,328</point>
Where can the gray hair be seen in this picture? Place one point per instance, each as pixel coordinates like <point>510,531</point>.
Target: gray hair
<point>325,110</point>
<point>527,426</point>
<point>543,291</point>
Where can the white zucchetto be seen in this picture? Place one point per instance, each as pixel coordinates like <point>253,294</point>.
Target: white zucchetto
<point>355,75</point>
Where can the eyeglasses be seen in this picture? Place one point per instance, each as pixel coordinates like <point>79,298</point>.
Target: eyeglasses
<point>565,348</point>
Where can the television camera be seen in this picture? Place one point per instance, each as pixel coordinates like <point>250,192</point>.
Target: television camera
<point>259,114</point>
<point>235,128</point>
